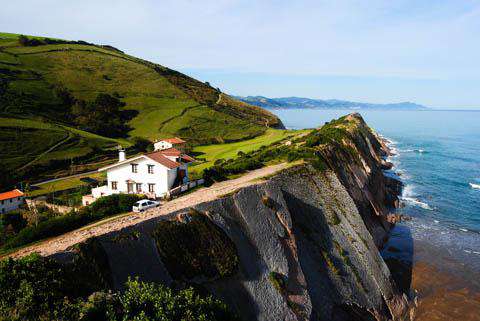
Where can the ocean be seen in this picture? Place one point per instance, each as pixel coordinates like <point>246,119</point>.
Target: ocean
<point>438,159</point>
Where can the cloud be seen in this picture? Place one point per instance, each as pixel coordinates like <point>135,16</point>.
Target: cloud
<point>376,38</point>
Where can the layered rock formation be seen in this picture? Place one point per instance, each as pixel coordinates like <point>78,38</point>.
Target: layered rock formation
<point>297,246</point>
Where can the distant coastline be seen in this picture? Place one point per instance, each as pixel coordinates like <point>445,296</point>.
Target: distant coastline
<point>308,103</point>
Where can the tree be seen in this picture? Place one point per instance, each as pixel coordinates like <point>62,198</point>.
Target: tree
<point>142,144</point>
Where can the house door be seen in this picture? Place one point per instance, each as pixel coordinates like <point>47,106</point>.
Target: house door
<point>129,187</point>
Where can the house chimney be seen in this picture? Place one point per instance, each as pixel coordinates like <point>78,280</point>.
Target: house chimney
<point>121,155</point>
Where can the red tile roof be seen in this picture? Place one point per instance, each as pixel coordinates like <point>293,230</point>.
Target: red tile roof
<point>162,159</point>
<point>174,140</point>
<point>10,194</point>
<point>171,152</point>
<point>187,158</point>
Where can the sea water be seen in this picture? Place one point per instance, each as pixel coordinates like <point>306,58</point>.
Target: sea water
<point>438,159</point>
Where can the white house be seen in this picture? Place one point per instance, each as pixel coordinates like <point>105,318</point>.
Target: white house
<point>153,174</point>
<point>11,200</point>
<point>167,143</point>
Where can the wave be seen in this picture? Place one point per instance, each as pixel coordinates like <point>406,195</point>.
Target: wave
<point>474,186</point>
<point>417,202</point>
<point>417,150</point>
<point>421,151</point>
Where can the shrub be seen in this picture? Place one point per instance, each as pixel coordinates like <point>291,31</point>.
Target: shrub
<point>142,144</point>
<point>148,301</point>
<point>36,288</point>
<point>14,219</point>
<point>197,248</point>
<point>102,208</point>
<point>278,281</point>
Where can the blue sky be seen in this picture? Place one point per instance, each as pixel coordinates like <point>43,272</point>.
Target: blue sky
<point>376,51</point>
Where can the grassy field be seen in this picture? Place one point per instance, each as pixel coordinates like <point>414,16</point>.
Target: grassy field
<point>63,184</point>
<point>35,129</point>
<point>42,142</point>
<point>211,153</point>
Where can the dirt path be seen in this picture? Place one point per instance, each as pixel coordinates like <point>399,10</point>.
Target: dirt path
<point>63,141</point>
<point>201,195</point>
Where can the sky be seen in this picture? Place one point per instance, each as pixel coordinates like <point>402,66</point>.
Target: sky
<point>382,51</point>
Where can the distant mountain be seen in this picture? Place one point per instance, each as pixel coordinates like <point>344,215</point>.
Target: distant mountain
<point>298,102</point>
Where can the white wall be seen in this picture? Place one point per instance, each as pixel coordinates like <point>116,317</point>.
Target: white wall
<point>161,145</point>
<point>10,204</point>
<point>161,176</point>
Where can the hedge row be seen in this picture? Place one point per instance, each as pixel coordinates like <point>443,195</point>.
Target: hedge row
<point>102,208</point>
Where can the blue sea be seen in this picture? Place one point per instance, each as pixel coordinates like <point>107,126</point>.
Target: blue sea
<point>438,159</point>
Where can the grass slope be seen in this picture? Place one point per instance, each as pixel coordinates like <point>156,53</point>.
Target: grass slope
<point>34,127</point>
<point>211,153</point>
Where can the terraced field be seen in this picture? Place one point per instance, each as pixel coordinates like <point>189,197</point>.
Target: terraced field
<point>36,126</point>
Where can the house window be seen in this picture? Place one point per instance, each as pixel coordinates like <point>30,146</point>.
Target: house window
<point>150,169</point>
<point>114,186</point>
<point>3,202</point>
<point>129,187</point>
<point>134,168</point>
<point>11,200</point>
<point>151,188</point>
<point>139,187</point>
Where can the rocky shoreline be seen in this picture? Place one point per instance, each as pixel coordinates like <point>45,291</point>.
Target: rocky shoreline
<point>305,242</point>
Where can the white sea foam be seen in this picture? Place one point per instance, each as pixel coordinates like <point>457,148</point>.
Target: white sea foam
<point>463,229</point>
<point>436,221</point>
<point>408,191</point>
<point>416,202</point>
<point>421,151</point>
<point>475,186</point>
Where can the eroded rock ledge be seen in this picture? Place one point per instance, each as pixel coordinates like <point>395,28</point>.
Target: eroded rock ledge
<point>302,245</point>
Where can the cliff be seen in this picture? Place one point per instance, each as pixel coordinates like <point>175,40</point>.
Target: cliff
<point>358,159</point>
<point>300,245</point>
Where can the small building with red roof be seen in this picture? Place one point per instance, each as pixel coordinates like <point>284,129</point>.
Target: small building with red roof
<point>168,143</point>
<point>11,200</point>
<point>154,174</point>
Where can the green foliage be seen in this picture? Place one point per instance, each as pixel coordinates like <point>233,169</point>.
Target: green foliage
<point>31,149</point>
<point>66,84</point>
<point>335,218</point>
<point>278,281</point>
<point>330,264</point>
<point>196,248</point>
<point>102,116</point>
<point>14,219</point>
<point>72,197</point>
<point>100,209</point>
<point>35,288</point>
<point>150,302</point>
<point>142,144</point>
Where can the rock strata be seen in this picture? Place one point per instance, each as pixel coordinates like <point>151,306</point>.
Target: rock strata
<point>302,245</point>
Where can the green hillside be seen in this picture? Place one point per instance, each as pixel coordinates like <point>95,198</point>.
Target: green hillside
<point>65,103</point>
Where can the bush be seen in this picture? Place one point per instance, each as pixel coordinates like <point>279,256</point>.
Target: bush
<point>13,219</point>
<point>36,288</point>
<point>102,208</point>
<point>278,281</point>
<point>142,144</point>
<point>196,248</point>
<point>148,301</point>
